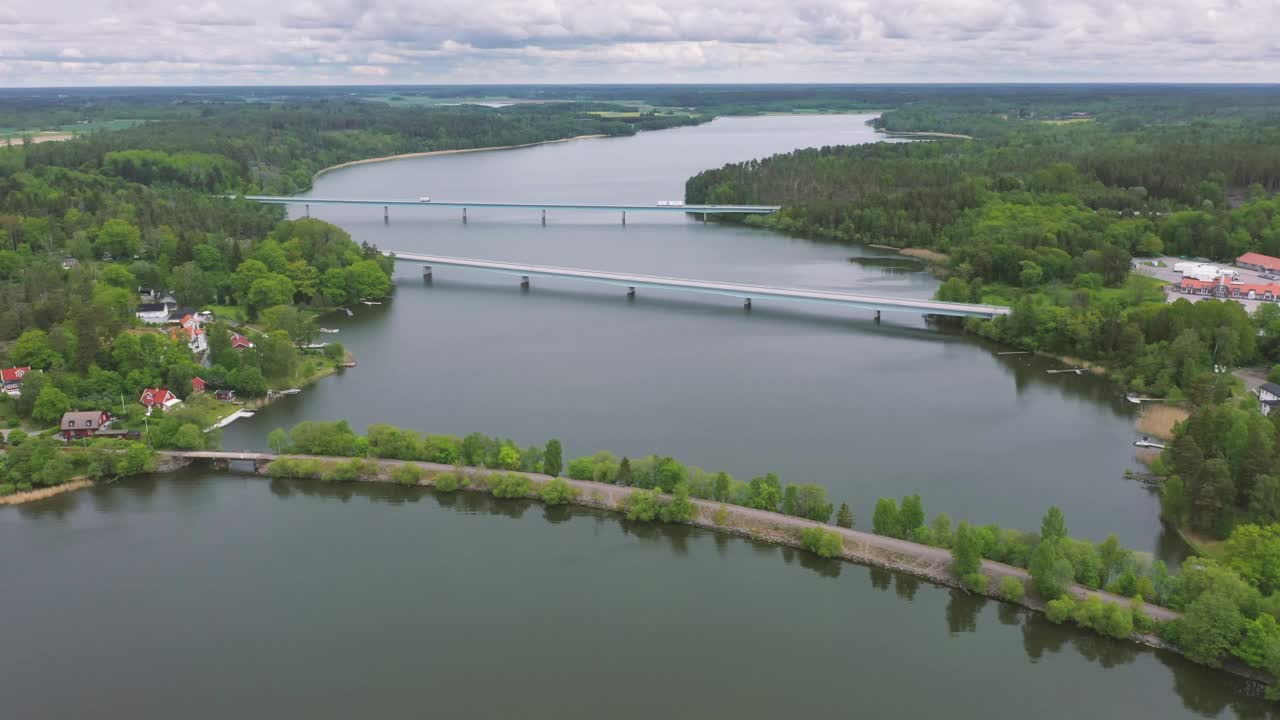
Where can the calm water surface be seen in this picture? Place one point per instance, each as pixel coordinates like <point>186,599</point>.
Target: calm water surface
<point>221,596</point>
<point>816,395</point>
<point>215,596</point>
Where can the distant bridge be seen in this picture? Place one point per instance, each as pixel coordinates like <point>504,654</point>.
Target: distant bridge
<point>624,208</point>
<point>745,292</point>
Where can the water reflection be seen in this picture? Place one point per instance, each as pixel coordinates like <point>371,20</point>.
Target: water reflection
<point>893,265</point>
<point>962,611</point>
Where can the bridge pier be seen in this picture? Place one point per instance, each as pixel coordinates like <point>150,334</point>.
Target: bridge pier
<point>746,303</point>
<point>308,209</point>
<point>631,293</point>
<point>464,216</point>
<point>426,273</point>
<point>544,218</point>
<point>704,217</point>
<point>524,282</point>
<point>386,215</point>
<point>877,317</point>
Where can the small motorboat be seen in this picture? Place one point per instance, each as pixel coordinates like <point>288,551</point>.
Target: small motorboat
<point>328,330</point>
<point>1147,442</point>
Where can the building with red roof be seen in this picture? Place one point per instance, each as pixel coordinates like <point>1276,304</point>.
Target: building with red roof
<point>12,379</point>
<point>1223,290</point>
<point>1259,262</point>
<point>198,385</point>
<point>240,342</point>
<point>162,398</point>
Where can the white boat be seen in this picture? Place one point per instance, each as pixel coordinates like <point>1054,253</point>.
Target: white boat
<point>290,391</point>
<point>1147,442</point>
<point>370,302</point>
<point>348,312</point>
<point>328,330</point>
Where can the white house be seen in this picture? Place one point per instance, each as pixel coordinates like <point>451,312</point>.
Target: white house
<point>1269,394</point>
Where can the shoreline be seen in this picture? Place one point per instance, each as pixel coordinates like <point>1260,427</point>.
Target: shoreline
<point>922,133</point>
<point>457,151</point>
<point>932,564</point>
<point>45,492</point>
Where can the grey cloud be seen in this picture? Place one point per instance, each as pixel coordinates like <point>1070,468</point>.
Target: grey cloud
<point>301,41</point>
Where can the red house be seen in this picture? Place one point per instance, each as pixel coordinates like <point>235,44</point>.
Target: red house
<point>240,342</point>
<point>84,424</point>
<point>161,398</point>
<point>197,385</point>
<point>12,379</point>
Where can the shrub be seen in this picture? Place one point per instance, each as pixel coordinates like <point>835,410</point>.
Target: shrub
<point>1011,588</point>
<point>7,489</point>
<point>642,505</point>
<point>1061,609</point>
<point>680,509</point>
<point>722,515</point>
<point>295,468</point>
<point>510,485</point>
<point>23,486</point>
<point>976,582</point>
<point>407,474</point>
<point>823,542</point>
<point>352,470</point>
<point>557,492</point>
<point>447,482</point>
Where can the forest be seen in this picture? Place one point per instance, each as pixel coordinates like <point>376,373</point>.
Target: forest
<point>1048,218</point>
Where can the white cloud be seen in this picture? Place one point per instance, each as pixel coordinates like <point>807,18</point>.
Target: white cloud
<point>316,41</point>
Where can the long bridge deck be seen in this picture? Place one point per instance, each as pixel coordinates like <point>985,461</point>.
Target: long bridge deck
<point>625,207</point>
<point>745,292</point>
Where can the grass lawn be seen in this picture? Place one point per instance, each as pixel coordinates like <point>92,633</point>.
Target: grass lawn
<point>233,313</point>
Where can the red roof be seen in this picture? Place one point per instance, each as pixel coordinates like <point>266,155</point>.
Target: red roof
<point>1253,258</point>
<point>14,374</point>
<point>240,341</point>
<point>153,397</point>
<point>1232,288</point>
<point>197,385</point>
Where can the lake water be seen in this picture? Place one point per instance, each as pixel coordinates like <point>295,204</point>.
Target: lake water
<point>217,596</point>
<point>211,595</point>
<point>815,395</point>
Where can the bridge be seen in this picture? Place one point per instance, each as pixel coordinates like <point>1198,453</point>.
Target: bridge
<point>745,292</point>
<point>624,208</point>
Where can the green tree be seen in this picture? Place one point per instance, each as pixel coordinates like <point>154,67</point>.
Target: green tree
<point>278,441</point>
<point>1051,573</point>
<point>885,519</point>
<point>1253,551</point>
<point>119,238</point>
<point>553,458</point>
<point>1210,628</point>
<point>941,530</point>
<point>50,405</point>
<point>844,518</point>
<point>822,542</point>
<point>625,476</point>
<point>268,291</point>
<point>1112,556</point>
<point>557,492</point>
<point>765,493</point>
<point>1054,525</point>
<point>1173,501</point>
<point>965,558</point>
<point>33,349</point>
<point>911,515</point>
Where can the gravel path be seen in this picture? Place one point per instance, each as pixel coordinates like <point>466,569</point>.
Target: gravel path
<point>866,548</point>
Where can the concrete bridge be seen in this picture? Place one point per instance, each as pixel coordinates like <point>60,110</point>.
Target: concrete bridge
<point>624,208</point>
<point>745,292</point>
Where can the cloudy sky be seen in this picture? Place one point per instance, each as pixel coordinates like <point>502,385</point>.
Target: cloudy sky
<point>274,42</point>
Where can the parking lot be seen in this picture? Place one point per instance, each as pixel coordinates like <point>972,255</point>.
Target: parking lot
<point>1166,274</point>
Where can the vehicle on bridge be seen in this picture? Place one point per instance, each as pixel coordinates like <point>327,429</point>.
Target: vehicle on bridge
<point>424,198</point>
<point>670,203</point>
